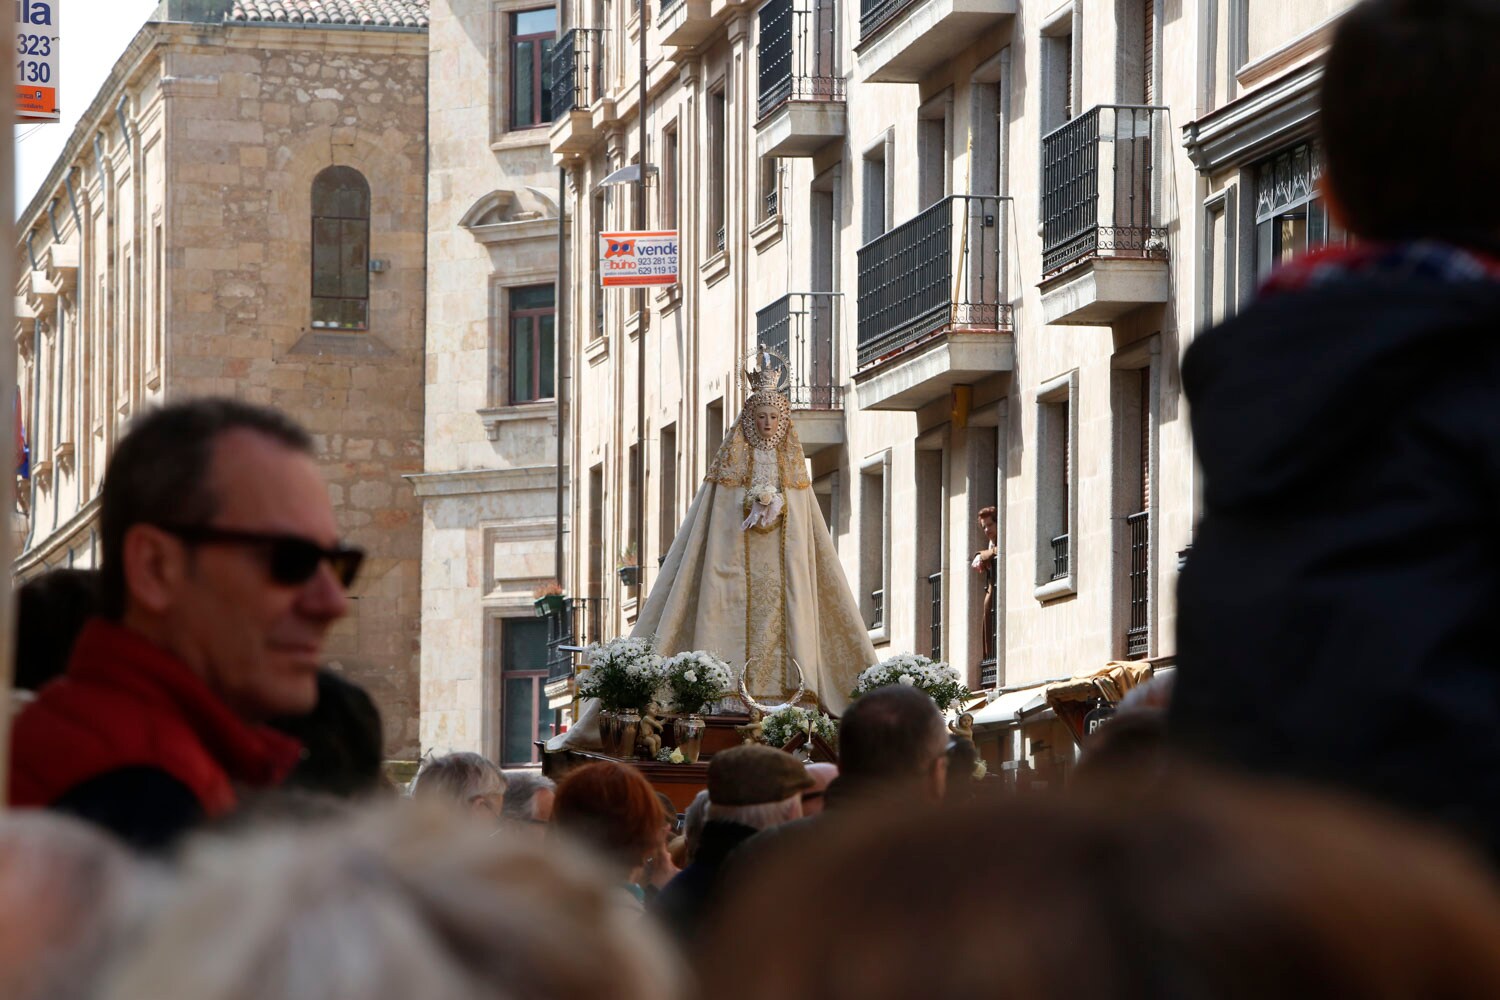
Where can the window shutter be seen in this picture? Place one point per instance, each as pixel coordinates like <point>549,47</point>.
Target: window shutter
<point>1148,61</point>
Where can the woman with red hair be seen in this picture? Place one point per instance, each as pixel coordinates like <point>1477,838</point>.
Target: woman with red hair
<point>612,809</point>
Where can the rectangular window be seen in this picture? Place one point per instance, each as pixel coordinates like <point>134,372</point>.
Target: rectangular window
<point>718,156</point>
<point>599,205</point>
<point>930,508</point>
<point>876,198</point>
<point>669,171</point>
<point>932,151</point>
<point>1058,103</point>
<point>713,432</point>
<point>1134,441</point>
<point>667,503</point>
<point>1057,493</point>
<point>532,35</point>
<point>826,492</point>
<point>525,717</point>
<point>770,187</point>
<point>159,319</point>
<point>596,537</point>
<point>1290,217</point>
<point>632,551</point>
<point>874,543</point>
<point>984,569</point>
<point>532,316</point>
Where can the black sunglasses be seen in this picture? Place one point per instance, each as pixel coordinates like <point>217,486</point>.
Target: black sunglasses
<point>291,560</point>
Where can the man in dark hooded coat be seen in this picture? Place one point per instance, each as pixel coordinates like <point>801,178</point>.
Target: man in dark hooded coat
<point>1340,607</point>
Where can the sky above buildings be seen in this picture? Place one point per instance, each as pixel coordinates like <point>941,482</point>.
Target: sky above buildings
<point>94,33</point>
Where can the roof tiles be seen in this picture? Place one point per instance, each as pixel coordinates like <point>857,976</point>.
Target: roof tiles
<point>372,13</point>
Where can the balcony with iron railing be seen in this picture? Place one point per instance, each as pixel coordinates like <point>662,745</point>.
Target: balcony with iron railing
<point>805,328</point>
<point>801,97</point>
<point>685,23</point>
<point>1104,244</point>
<point>1138,631</point>
<point>935,613</point>
<point>877,610</point>
<point>576,625</point>
<point>1061,556</point>
<point>932,309</point>
<point>578,64</point>
<point>904,41</point>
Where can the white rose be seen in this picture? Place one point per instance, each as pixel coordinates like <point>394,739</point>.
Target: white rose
<point>676,757</point>
<point>906,679</point>
<point>690,677</point>
<point>980,770</point>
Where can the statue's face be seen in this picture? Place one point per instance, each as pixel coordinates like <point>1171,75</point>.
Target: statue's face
<point>767,422</point>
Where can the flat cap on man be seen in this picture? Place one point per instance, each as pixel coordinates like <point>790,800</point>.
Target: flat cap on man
<point>753,775</point>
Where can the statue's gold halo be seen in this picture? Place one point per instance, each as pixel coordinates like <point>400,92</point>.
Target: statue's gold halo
<point>744,692</point>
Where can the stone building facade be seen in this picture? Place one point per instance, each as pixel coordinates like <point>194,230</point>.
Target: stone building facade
<point>170,253</point>
<point>985,233</point>
<point>489,486</point>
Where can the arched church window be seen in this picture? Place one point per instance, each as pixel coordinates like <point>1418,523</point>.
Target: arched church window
<point>340,250</point>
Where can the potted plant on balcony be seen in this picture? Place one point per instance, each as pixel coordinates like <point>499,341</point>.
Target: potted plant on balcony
<point>630,567</point>
<point>548,599</point>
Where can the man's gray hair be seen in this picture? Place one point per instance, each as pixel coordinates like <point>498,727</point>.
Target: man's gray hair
<point>520,794</point>
<point>69,898</point>
<point>761,816</point>
<point>392,904</point>
<point>458,777</point>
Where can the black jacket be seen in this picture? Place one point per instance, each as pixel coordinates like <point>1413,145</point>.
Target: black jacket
<point>684,904</point>
<point>1338,609</point>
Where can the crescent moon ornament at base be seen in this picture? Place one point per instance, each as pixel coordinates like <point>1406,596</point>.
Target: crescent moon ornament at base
<point>744,692</point>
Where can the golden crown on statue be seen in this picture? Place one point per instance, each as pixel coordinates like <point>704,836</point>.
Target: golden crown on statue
<point>762,376</point>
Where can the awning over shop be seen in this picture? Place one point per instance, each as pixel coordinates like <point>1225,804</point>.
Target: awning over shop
<point>1010,706</point>
<point>1071,698</point>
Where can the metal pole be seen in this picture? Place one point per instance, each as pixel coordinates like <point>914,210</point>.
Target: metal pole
<point>560,353</point>
<point>643,324</point>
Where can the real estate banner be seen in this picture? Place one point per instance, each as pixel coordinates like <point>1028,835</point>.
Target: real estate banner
<point>36,60</point>
<point>638,259</point>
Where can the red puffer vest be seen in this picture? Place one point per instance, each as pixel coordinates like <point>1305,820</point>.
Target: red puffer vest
<point>125,702</point>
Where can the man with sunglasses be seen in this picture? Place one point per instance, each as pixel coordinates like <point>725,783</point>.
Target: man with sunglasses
<point>221,573</point>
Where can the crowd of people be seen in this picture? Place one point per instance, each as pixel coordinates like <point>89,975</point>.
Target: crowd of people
<point>199,807</point>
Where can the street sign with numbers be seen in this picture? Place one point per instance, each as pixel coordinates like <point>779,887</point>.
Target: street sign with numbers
<point>36,60</point>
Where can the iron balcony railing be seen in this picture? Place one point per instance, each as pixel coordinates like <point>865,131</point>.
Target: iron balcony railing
<point>578,624</point>
<point>938,271</point>
<point>989,672</point>
<point>1138,634</point>
<point>935,626</point>
<point>577,70</point>
<point>1098,188</point>
<point>804,326</point>
<point>798,50</point>
<point>1060,553</point>
<point>665,9</point>
<point>873,14</point>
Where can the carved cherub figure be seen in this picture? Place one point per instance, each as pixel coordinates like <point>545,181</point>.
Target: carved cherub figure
<point>963,726</point>
<point>751,731</point>
<point>649,734</point>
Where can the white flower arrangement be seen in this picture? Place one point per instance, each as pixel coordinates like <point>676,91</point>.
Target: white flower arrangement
<point>940,681</point>
<point>780,726</point>
<point>696,678</point>
<point>622,673</point>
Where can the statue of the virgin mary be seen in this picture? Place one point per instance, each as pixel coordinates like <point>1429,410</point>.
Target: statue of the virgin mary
<point>752,574</point>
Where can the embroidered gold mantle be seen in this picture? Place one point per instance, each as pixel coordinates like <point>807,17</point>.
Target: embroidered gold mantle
<point>760,597</point>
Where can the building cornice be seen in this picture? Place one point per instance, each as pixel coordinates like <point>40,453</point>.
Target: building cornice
<point>1256,124</point>
<point>468,482</point>
<point>59,540</point>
